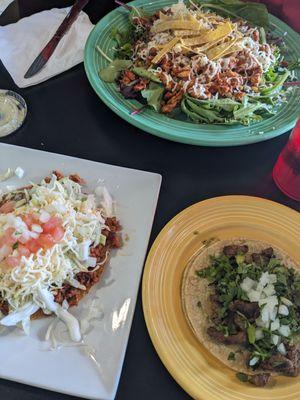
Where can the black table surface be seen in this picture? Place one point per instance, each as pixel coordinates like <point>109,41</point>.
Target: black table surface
<point>66,116</point>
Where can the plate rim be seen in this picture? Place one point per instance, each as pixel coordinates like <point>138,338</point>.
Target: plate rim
<point>81,163</point>
<point>161,352</point>
<point>164,132</point>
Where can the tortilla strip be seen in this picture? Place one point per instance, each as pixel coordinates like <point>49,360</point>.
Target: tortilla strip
<point>208,45</point>
<point>232,49</point>
<point>195,289</point>
<point>164,17</point>
<point>189,32</point>
<point>218,51</point>
<point>168,46</point>
<point>220,32</point>
<point>181,23</point>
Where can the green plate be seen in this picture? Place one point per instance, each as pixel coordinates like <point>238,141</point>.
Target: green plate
<point>181,131</point>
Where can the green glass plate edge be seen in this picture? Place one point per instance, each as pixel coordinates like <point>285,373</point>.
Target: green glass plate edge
<point>175,130</point>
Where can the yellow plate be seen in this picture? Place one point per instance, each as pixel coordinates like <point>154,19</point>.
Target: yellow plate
<point>198,372</point>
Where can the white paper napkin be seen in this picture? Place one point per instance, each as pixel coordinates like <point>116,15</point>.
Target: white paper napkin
<point>21,43</point>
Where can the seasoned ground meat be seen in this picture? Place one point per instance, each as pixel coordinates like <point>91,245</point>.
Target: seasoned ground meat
<point>4,307</point>
<point>260,379</point>
<point>76,178</point>
<point>90,278</point>
<point>239,338</point>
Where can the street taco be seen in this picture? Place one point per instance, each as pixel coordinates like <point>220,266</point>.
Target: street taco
<point>242,300</point>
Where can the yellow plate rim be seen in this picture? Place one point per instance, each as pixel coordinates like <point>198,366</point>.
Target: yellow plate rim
<point>181,378</point>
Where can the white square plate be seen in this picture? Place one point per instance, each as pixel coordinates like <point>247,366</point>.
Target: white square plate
<point>90,371</point>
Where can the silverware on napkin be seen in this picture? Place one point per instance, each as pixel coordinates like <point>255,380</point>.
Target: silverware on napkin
<point>48,50</point>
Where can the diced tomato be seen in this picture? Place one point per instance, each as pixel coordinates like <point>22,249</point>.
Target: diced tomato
<point>7,207</point>
<point>33,246</point>
<point>23,251</point>
<point>53,222</point>
<point>6,250</point>
<point>12,261</point>
<point>9,239</point>
<point>2,240</point>
<point>24,238</point>
<point>30,219</point>
<point>53,232</point>
<point>45,240</point>
<point>58,233</point>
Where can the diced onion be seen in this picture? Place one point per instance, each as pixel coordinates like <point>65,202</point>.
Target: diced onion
<point>19,172</point>
<point>275,339</point>
<point>275,325</point>
<point>37,228</point>
<point>264,279</point>
<point>281,348</point>
<point>91,262</point>
<point>253,361</point>
<point>259,334</point>
<point>83,250</point>
<point>283,310</point>
<point>284,330</point>
<point>254,295</point>
<point>247,284</point>
<point>269,290</point>
<point>44,217</point>
<point>286,301</point>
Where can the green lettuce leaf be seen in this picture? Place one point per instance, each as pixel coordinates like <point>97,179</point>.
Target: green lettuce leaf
<point>113,70</point>
<point>124,42</point>
<point>257,13</point>
<point>144,73</point>
<point>153,95</point>
<point>137,12</point>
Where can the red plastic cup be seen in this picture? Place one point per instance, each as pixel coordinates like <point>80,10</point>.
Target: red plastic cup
<point>286,172</point>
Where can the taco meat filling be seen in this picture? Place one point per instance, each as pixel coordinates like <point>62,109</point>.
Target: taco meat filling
<point>90,278</point>
<point>255,304</point>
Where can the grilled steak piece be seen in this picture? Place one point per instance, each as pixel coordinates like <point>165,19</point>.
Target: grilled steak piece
<point>288,365</point>
<point>260,379</point>
<point>293,354</point>
<point>234,249</point>
<point>268,252</point>
<point>239,338</point>
<point>239,322</point>
<point>250,310</point>
<point>257,258</point>
<point>214,308</point>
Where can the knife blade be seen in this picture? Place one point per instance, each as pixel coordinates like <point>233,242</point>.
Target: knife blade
<point>63,28</point>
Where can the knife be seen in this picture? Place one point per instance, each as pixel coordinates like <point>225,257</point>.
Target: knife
<point>48,50</point>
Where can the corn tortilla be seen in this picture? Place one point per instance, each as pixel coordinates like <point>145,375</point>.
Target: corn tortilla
<point>195,289</point>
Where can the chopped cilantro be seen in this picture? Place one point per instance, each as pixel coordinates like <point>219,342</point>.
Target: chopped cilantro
<point>242,377</point>
<point>231,356</point>
<point>251,333</point>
